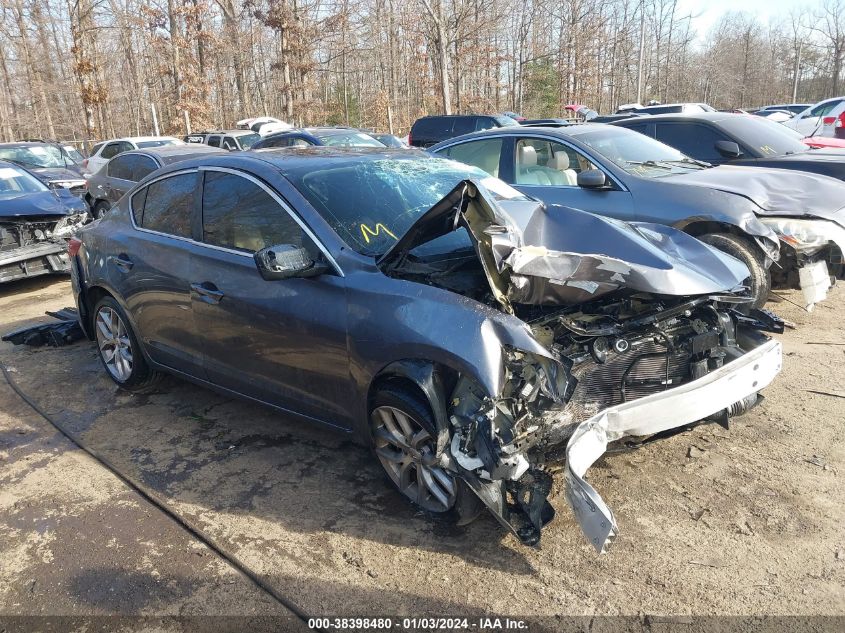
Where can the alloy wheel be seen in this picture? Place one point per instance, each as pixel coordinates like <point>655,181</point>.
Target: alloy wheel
<point>114,343</point>
<point>407,452</point>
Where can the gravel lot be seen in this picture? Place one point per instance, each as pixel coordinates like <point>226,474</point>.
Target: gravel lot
<point>746,522</point>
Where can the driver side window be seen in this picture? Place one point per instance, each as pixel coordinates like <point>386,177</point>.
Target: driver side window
<point>240,215</point>
<point>547,163</point>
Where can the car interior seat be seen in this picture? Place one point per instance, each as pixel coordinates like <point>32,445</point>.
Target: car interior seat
<point>560,162</point>
<point>530,173</point>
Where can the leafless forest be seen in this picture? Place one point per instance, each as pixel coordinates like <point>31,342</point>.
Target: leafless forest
<point>89,69</point>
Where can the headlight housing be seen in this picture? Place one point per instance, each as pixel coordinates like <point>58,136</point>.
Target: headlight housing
<point>68,225</point>
<point>806,235</point>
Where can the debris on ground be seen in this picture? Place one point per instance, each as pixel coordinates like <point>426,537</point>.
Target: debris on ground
<point>63,332</point>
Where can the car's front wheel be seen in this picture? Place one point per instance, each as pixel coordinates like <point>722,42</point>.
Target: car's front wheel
<point>119,350</point>
<point>403,435</point>
<point>760,280</point>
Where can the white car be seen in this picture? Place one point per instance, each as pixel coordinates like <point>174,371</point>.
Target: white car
<point>102,152</point>
<point>263,125</point>
<point>822,119</point>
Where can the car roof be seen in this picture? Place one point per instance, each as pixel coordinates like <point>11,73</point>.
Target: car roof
<point>313,157</point>
<point>572,130</point>
<point>29,144</point>
<point>172,153</point>
<point>715,117</point>
<point>237,132</point>
<point>137,139</point>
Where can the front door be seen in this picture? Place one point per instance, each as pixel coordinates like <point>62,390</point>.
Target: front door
<point>283,341</point>
<point>548,170</point>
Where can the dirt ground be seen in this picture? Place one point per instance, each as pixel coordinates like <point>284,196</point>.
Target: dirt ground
<point>741,522</point>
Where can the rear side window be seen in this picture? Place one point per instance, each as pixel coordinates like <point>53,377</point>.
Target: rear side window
<point>110,150</point>
<point>484,154</point>
<point>214,141</point>
<point>432,129</point>
<point>120,167</point>
<point>95,149</point>
<point>691,139</point>
<point>168,205</point>
<point>466,124</point>
<point>238,214</point>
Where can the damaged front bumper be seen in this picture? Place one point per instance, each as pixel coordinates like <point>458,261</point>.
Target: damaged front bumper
<point>674,408</point>
<point>812,247</point>
<point>34,259</point>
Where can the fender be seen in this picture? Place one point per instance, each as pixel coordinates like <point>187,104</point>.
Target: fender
<point>424,375</point>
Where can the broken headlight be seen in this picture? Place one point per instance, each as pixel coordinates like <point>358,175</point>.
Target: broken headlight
<point>68,225</point>
<point>806,235</point>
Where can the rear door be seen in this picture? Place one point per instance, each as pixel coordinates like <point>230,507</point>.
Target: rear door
<point>150,267</point>
<point>118,179</point>
<point>282,342</point>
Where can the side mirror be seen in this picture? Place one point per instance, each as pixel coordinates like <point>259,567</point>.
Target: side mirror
<point>284,261</point>
<point>728,149</point>
<point>592,179</point>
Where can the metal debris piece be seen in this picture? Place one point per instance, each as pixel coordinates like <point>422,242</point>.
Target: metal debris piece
<point>63,332</point>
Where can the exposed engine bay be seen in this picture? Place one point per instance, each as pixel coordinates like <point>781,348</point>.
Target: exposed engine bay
<point>35,246</point>
<point>622,334</point>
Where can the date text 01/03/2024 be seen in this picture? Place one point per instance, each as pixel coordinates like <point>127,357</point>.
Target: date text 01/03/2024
<point>418,624</point>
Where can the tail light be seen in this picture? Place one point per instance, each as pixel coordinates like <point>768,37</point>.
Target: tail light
<point>85,163</point>
<point>409,139</point>
<point>73,245</point>
<point>840,120</point>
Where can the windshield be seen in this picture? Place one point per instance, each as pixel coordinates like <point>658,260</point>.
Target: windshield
<point>506,121</point>
<point>348,139</point>
<point>373,202</point>
<point>158,142</point>
<point>637,153</point>
<point>38,156</point>
<point>765,137</point>
<point>15,182</point>
<point>72,153</point>
<point>248,140</point>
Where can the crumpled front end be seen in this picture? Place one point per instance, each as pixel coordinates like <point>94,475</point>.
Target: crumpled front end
<point>637,337</point>
<point>35,246</point>
<point>811,257</point>
<point>637,369</point>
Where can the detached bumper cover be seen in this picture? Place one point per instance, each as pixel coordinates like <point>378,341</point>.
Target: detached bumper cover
<point>670,409</point>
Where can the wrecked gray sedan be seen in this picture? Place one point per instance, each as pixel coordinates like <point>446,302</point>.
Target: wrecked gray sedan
<point>468,336</point>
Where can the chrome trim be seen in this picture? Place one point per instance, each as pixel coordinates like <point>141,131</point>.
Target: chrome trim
<point>235,172</point>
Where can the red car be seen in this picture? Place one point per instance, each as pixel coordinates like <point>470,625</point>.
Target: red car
<point>824,141</point>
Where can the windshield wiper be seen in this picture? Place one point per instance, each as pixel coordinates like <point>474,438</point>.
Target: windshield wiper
<point>690,161</point>
<point>649,163</point>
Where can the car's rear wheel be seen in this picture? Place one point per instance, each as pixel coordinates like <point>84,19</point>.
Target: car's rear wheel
<point>119,350</point>
<point>403,435</point>
<point>100,209</point>
<point>760,281</point>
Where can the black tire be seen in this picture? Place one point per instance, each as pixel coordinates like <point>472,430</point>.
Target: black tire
<point>465,506</point>
<point>760,281</point>
<point>139,378</point>
<point>100,209</point>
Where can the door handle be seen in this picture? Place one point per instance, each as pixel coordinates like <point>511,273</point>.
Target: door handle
<point>207,292</point>
<point>122,261</point>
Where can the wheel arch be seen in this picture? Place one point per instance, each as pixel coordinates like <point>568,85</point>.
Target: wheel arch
<point>434,381</point>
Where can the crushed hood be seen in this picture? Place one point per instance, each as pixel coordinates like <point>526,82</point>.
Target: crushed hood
<point>57,173</point>
<point>43,203</point>
<point>551,256</point>
<point>777,192</point>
